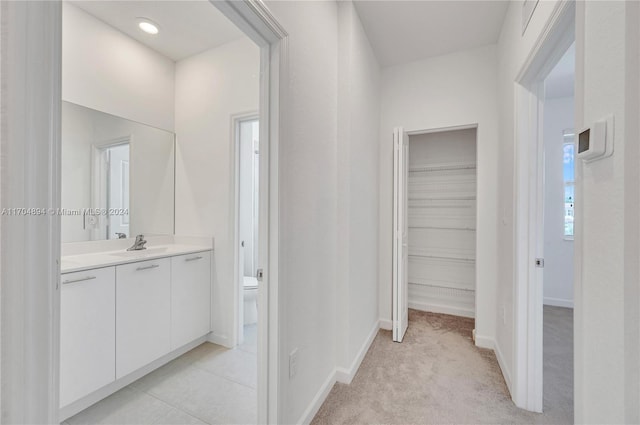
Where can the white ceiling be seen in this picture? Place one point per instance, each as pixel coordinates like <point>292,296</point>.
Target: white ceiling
<point>186,27</point>
<point>405,31</point>
<point>561,80</point>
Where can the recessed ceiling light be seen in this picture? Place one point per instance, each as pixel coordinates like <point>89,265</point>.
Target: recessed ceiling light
<point>147,26</point>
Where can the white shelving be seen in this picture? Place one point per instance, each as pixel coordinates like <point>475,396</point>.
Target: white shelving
<point>442,167</point>
<point>442,223</point>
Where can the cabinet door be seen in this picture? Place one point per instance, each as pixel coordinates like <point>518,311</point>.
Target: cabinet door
<point>190,297</point>
<point>143,294</point>
<point>87,332</point>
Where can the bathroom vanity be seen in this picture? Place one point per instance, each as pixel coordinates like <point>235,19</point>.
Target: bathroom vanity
<point>125,313</point>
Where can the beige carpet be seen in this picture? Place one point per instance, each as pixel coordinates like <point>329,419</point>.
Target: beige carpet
<point>436,376</point>
<point>558,363</point>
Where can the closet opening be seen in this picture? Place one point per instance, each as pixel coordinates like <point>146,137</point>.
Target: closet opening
<point>442,221</point>
<point>435,222</point>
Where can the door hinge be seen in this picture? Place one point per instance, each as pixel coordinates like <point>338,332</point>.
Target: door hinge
<point>259,275</point>
<point>540,262</point>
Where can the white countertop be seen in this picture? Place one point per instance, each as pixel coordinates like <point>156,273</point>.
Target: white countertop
<point>94,260</point>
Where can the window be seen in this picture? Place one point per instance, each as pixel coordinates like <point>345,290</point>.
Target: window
<point>568,173</point>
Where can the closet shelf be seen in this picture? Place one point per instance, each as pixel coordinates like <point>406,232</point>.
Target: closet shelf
<point>444,198</point>
<point>454,287</point>
<point>468,229</point>
<point>447,167</point>
<point>444,257</point>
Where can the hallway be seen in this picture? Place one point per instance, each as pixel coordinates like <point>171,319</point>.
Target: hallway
<point>436,375</point>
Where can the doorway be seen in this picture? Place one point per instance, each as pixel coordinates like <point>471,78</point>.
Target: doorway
<point>110,188</point>
<point>435,190</point>
<point>559,156</point>
<point>246,142</point>
<point>531,183</point>
<point>442,222</point>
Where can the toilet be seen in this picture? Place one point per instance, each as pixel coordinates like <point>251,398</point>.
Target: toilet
<point>250,294</point>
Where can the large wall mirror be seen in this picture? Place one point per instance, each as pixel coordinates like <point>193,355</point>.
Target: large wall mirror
<point>117,177</point>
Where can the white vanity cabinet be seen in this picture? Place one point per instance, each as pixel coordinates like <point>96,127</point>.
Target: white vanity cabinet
<point>143,313</point>
<point>190,297</point>
<point>87,332</point>
<point>124,314</point>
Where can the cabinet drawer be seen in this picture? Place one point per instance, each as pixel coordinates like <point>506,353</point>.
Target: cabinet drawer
<point>87,332</point>
<point>190,297</point>
<point>143,313</point>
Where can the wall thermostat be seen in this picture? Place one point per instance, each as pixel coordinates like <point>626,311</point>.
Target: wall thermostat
<point>596,142</point>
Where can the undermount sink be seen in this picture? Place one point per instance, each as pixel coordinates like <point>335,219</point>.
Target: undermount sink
<point>141,252</point>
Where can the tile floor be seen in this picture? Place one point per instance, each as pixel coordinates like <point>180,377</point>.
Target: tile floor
<point>208,385</point>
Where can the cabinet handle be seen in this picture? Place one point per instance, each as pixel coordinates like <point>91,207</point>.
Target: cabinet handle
<point>193,259</point>
<point>153,266</point>
<point>82,279</point>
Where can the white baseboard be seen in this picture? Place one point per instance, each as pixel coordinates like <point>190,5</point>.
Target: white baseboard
<point>484,342</point>
<point>489,343</point>
<point>386,324</point>
<point>317,401</point>
<point>503,367</point>
<point>220,340</point>
<point>435,308</point>
<point>558,302</point>
<point>341,375</point>
<point>344,375</point>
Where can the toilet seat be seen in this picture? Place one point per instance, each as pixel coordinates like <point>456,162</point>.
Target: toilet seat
<point>250,283</point>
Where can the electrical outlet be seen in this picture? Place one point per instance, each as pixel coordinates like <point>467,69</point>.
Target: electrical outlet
<point>293,363</point>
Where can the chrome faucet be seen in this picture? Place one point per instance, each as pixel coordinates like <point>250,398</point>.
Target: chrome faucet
<point>138,244</point>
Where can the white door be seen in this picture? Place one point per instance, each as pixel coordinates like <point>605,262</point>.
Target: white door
<point>118,190</point>
<point>256,193</point>
<point>400,234</point>
<point>248,197</point>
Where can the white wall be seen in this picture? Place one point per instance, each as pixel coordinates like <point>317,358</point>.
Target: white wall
<point>558,251</point>
<point>210,88</point>
<point>451,90</point>
<point>104,69</point>
<point>357,209</point>
<point>607,48</point>
<point>308,203</point>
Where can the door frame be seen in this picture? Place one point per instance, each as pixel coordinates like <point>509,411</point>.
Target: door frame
<point>236,120</point>
<point>98,174</point>
<point>30,175</point>
<point>471,126</point>
<point>558,35</point>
